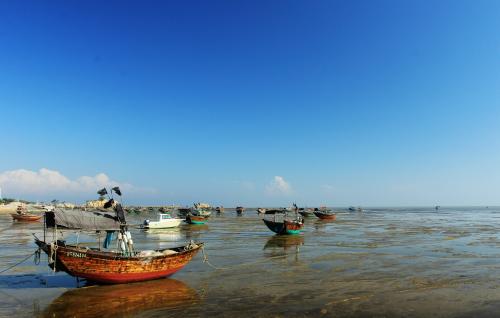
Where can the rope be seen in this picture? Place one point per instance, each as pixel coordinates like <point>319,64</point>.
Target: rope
<point>53,254</point>
<point>36,260</point>
<point>10,267</point>
<point>206,261</point>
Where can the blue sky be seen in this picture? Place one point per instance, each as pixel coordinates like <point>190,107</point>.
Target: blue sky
<point>252,102</point>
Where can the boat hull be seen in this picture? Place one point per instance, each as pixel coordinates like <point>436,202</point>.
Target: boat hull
<point>113,268</point>
<point>306,213</point>
<point>285,227</point>
<point>26,217</point>
<point>194,219</point>
<point>165,224</point>
<point>326,216</point>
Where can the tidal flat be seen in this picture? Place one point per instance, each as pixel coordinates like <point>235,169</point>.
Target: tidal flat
<point>382,262</point>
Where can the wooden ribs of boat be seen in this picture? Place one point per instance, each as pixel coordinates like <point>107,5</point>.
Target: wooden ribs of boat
<point>26,217</point>
<point>115,268</point>
<point>325,215</point>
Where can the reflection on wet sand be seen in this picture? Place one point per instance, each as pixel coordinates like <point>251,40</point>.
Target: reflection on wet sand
<point>122,300</point>
<point>283,245</point>
<point>169,235</point>
<point>193,231</point>
<point>320,224</point>
<point>284,241</point>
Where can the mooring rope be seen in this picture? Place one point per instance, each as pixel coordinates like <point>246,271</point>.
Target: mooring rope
<point>37,252</point>
<point>53,254</point>
<point>206,261</point>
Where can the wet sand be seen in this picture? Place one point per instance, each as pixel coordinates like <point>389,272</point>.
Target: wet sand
<point>377,263</point>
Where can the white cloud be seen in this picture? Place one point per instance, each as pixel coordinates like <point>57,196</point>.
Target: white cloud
<point>23,183</point>
<point>278,186</point>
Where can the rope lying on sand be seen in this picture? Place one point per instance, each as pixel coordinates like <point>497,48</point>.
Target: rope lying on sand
<point>37,259</point>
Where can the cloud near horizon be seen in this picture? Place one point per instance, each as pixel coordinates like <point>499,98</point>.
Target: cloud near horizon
<point>24,183</point>
<point>278,186</point>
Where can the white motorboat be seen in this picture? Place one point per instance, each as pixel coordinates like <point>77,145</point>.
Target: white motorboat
<point>164,221</point>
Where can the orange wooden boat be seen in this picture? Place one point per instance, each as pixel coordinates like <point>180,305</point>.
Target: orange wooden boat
<point>23,215</point>
<point>26,217</point>
<point>125,265</point>
<point>116,268</point>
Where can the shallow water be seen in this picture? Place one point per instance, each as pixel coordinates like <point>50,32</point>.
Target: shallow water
<point>412,262</point>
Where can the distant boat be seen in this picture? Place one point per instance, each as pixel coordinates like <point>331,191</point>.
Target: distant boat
<point>325,214</point>
<point>196,219</point>
<point>276,211</point>
<point>282,224</point>
<point>358,209</point>
<point>164,221</point>
<point>437,207</point>
<point>261,210</point>
<point>23,215</point>
<point>26,217</point>
<point>240,209</point>
<point>182,212</point>
<point>306,213</point>
<point>285,226</point>
<point>219,209</point>
<point>201,209</point>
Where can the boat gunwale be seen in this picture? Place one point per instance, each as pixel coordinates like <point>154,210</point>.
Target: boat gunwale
<point>96,254</point>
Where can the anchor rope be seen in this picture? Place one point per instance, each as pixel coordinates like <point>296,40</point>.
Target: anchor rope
<point>206,261</point>
<point>53,254</point>
<point>37,252</point>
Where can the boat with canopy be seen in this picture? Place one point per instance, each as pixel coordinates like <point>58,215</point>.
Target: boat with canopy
<point>123,264</point>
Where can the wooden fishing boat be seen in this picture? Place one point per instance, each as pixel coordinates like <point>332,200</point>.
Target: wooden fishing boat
<point>285,226</point>
<point>182,212</point>
<point>26,217</point>
<point>201,209</point>
<point>325,214</point>
<point>240,209</point>
<point>358,209</point>
<point>123,265</point>
<point>306,213</point>
<point>281,223</point>
<point>196,219</point>
<point>116,268</point>
<point>275,211</point>
<point>219,209</point>
<point>22,214</point>
<point>261,210</point>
